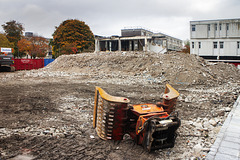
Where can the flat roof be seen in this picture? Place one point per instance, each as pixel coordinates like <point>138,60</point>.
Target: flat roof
<point>216,20</point>
<point>153,35</point>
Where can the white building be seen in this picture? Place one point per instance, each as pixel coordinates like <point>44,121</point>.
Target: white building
<point>217,40</point>
<point>138,39</point>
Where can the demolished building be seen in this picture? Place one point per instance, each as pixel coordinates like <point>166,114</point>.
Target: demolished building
<point>138,39</point>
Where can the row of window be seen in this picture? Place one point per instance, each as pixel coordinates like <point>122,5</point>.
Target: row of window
<point>216,26</point>
<point>199,45</point>
<point>215,45</point>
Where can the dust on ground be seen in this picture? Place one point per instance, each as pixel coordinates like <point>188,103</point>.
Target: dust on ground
<point>47,113</point>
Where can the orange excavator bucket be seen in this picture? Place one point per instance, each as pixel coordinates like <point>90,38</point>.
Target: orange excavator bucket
<point>109,115</point>
<point>151,125</point>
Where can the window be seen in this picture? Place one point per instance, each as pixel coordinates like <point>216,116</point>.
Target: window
<point>227,26</point>
<point>209,27</point>
<point>221,44</point>
<point>214,44</point>
<point>220,27</point>
<point>199,45</point>
<point>238,45</point>
<point>192,44</point>
<point>215,26</point>
<point>193,27</point>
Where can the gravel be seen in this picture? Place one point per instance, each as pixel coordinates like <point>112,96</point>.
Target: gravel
<point>207,93</point>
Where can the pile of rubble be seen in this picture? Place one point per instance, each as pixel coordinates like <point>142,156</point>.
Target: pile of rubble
<point>51,108</point>
<point>175,68</point>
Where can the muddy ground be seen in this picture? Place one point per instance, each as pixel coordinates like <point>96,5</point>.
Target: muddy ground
<point>50,117</point>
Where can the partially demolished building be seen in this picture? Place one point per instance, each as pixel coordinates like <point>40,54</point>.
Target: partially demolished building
<point>138,39</point>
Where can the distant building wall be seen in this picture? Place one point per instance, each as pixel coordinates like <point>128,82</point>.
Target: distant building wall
<point>215,38</point>
<point>29,34</point>
<point>135,32</point>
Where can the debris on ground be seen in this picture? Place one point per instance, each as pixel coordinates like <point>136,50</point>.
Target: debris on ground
<point>47,113</point>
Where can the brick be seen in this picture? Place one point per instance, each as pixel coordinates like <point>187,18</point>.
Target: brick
<point>229,151</point>
<point>233,130</point>
<point>235,123</point>
<point>228,144</point>
<point>236,118</point>
<point>226,122</point>
<point>236,135</point>
<point>217,142</point>
<point>210,157</point>
<point>232,139</point>
<point>213,150</point>
<point>220,135</point>
<point>220,156</point>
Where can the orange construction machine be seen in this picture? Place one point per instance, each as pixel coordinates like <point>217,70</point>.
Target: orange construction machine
<point>151,125</point>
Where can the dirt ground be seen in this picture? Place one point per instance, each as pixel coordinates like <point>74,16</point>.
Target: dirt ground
<point>47,113</point>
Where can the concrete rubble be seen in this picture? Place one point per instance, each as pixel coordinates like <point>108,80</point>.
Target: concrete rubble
<point>207,94</point>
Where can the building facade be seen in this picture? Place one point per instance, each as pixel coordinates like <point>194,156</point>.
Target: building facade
<point>216,40</point>
<point>138,39</point>
<point>28,34</point>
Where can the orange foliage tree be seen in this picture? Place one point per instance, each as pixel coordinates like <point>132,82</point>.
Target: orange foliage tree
<point>39,46</point>
<point>24,46</point>
<point>69,48</point>
<point>72,33</point>
<point>186,48</point>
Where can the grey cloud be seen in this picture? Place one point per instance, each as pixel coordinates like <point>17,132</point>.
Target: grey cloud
<point>107,17</point>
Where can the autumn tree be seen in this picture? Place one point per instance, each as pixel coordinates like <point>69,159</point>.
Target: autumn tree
<point>72,32</point>
<point>24,46</point>
<point>4,42</point>
<point>69,48</point>
<point>38,46</point>
<point>14,32</point>
<point>186,48</point>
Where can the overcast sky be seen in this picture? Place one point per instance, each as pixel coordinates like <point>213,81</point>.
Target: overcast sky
<point>108,17</point>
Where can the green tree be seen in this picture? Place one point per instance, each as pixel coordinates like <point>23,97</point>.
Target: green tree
<point>4,42</point>
<point>71,33</point>
<point>14,32</point>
